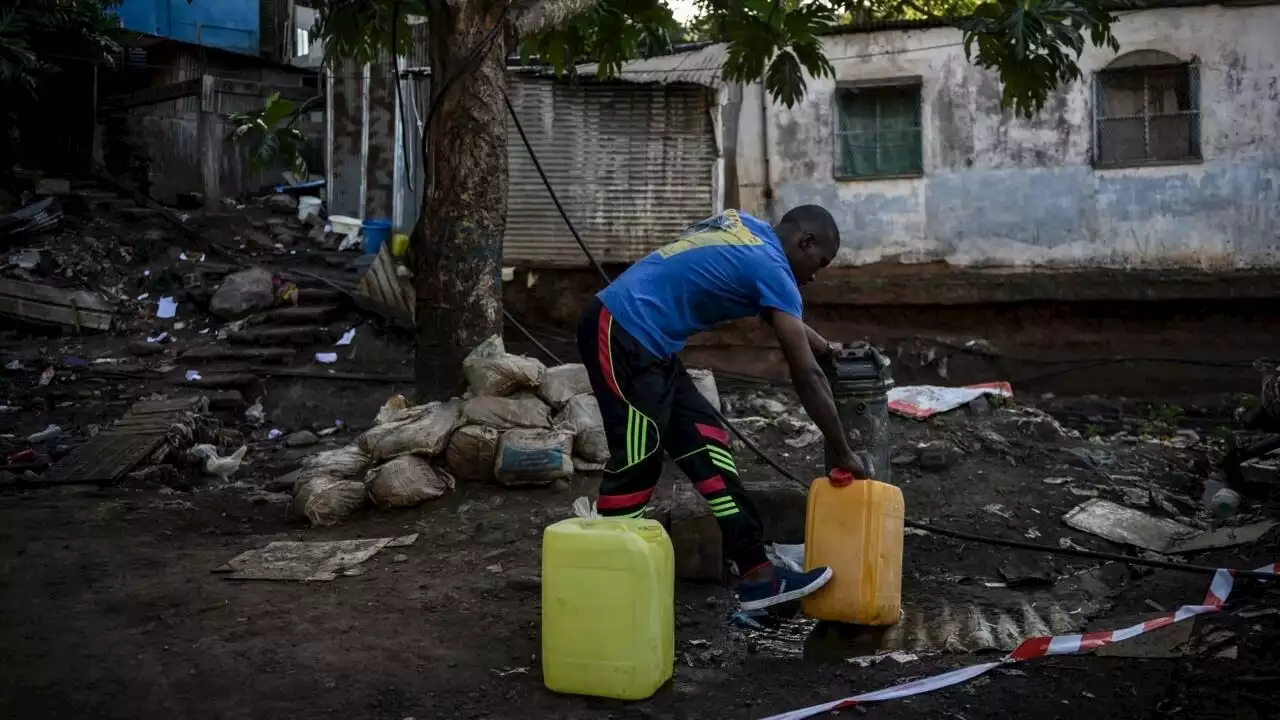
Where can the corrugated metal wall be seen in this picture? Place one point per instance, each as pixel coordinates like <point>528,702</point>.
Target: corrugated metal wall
<point>346,125</point>
<point>633,165</point>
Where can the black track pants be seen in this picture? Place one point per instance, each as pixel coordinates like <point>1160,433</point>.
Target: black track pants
<point>649,406</point>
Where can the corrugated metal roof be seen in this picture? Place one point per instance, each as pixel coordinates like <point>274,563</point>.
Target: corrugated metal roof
<point>700,66</point>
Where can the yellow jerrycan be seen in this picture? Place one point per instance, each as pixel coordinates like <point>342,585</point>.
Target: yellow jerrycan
<point>608,606</point>
<point>854,527</point>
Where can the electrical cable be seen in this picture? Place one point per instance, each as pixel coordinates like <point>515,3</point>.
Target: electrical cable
<point>946,532</point>
<point>551,191</point>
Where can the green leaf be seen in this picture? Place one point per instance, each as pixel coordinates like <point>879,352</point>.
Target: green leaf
<point>785,80</point>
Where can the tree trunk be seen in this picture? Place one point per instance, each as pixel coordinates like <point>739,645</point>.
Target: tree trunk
<point>457,243</point>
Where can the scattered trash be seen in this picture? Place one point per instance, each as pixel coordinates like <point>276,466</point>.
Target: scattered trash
<point>1056,480</point>
<point>49,433</point>
<point>898,656</point>
<point>999,510</point>
<point>46,377</point>
<point>347,337</point>
<point>507,672</point>
<point>158,338</point>
<point>328,358</point>
<point>193,375</point>
<point>166,308</point>
<point>273,433</point>
<point>1121,524</point>
<point>306,561</point>
<point>1225,537</point>
<point>216,465</point>
<point>255,415</point>
<point>924,401</point>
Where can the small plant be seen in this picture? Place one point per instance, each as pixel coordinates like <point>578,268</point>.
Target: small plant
<point>1162,421</point>
<point>270,134</point>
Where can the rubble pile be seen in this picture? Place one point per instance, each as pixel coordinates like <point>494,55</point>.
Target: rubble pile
<point>520,424</point>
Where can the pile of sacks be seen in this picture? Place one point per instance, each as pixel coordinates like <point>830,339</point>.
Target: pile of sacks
<point>519,424</point>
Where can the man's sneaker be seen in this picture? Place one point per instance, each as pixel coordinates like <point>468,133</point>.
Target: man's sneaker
<point>785,586</point>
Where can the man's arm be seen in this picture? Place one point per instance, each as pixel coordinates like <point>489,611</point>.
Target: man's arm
<point>811,385</point>
<point>818,344</point>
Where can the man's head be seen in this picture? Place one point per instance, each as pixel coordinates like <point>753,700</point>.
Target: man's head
<point>810,238</point>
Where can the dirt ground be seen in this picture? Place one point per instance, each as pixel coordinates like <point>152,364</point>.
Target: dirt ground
<point>112,609</point>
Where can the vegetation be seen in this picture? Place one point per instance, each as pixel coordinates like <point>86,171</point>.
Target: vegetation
<point>271,136</point>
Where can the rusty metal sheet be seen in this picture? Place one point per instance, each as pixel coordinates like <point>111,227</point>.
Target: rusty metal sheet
<point>633,165</point>
<point>383,290</point>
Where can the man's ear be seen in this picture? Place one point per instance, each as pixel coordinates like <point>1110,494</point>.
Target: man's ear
<point>807,241</point>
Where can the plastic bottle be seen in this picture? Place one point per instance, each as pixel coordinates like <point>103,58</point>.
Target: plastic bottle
<point>855,527</point>
<point>608,615</point>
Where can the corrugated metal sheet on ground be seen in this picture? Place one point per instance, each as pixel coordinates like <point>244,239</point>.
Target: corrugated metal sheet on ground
<point>633,166</point>
<point>382,289</point>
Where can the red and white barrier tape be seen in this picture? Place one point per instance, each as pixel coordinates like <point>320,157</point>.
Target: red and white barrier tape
<point>1037,647</point>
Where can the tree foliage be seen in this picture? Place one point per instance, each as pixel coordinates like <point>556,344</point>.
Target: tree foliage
<point>1032,44</point>
<point>270,134</point>
<point>39,37</point>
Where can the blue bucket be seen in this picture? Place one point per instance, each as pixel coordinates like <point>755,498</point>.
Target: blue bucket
<point>376,234</point>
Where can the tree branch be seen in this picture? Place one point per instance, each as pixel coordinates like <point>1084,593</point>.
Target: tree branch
<point>542,15</point>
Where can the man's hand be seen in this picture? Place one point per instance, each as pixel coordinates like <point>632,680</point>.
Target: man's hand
<point>851,464</point>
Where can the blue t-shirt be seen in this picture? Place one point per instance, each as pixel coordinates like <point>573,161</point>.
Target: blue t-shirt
<point>727,267</point>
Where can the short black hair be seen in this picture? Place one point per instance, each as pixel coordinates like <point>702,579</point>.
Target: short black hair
<point>813,219</point>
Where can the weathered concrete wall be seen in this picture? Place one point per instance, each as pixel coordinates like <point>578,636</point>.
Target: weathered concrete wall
<point>1003,191</point>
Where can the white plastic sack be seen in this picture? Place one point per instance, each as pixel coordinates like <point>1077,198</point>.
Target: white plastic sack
<point>581,416</point>
<point>391,409</point>
<point>502,375</point>
<point>427,434</point>
<point>325,501</point>
<point>533,457</point>
<point>345,463</point>
<point>705,381</point>
<point>406,481</point>
<point>471,451</point>
<point>790,557</point>
<point>922,401</point>
<point>582,465</point>
<point>504,413</point>
<point>563,382</point>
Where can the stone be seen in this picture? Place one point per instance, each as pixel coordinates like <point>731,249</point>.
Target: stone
<point>525,582</point>
<point>302,438</point>
<point>399,558</point>
<point>281,202</point>
<point>142,348</point>
<point>258,240</point>
<point>782,506</point>
<point>937,455</point>
<point>243,293</point>
<point>283,483</point>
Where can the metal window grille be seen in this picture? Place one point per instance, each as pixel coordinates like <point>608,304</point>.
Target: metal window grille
<point>878,132</point>
<point>1147,115</point>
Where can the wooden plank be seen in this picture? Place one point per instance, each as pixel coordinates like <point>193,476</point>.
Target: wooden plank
<point>151,96</point>
<point>54,314</point>
<point>210,142</point>
<point>215,353</point>
<point>105,458</point>
<point>180,404</point>
<point>83,299</point>
<point>263,90</point>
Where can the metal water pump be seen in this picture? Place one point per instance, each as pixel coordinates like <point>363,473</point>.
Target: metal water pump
<point>860,381</point>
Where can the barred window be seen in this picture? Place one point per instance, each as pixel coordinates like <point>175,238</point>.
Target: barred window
<point>878,131</point>
<point>1147,115</point>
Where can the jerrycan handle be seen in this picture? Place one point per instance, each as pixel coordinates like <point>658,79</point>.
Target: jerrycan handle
<point>840,477</point>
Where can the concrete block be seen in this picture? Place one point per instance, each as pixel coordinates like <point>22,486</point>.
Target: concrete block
<point>782,505</point>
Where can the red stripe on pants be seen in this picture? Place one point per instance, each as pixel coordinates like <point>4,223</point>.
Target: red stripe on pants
<point>713,484</point>
<point>711,432</point>
<point>605,354</point>
<point>617,502</point>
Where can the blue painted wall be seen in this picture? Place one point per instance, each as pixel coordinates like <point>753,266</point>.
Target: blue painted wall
<point>226,24</point>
